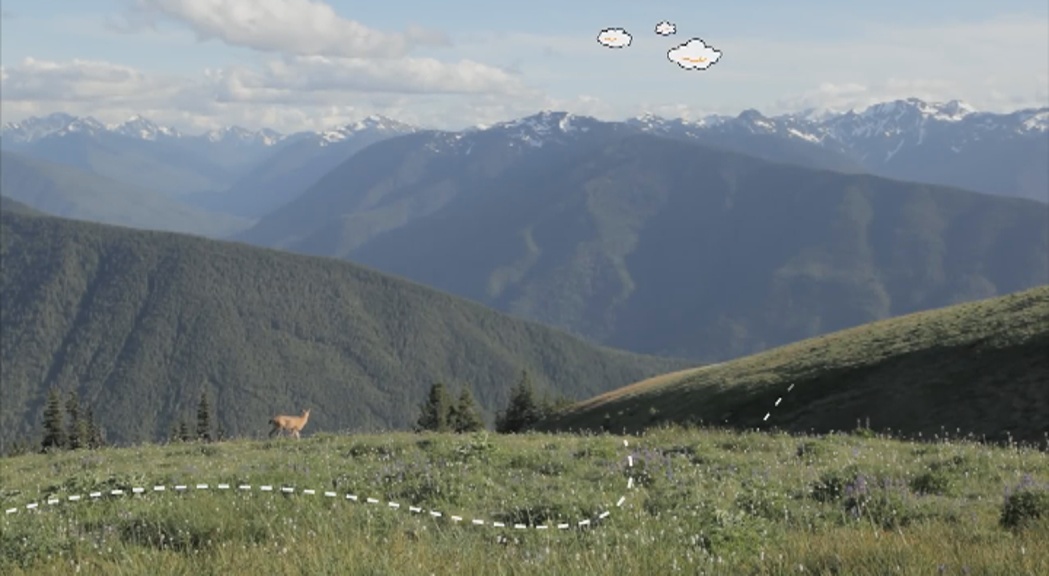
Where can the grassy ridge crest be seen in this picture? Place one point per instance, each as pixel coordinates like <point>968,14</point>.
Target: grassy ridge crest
<point>980,367</point>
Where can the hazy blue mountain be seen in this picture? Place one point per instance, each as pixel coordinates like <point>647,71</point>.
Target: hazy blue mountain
<point>656,244</point>
<point>63,190</point>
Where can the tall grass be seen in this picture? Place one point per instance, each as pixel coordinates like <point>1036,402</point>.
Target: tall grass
<point>706,502</point>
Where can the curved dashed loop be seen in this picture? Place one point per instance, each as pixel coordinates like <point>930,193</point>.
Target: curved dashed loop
<point>776,405</point>
<point>352,497</point>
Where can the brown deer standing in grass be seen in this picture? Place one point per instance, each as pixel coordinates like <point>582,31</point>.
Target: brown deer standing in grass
<point>291,424</point>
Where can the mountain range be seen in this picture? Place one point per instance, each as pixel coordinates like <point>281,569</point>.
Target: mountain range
<point>939,143</point>
<point>659,245</point>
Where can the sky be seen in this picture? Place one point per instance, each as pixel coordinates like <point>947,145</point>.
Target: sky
<point>294,65</point>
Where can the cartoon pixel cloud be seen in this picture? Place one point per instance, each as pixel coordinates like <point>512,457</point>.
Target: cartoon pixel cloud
<point>614,38</point>
<point>665,28</point>
<point>694,55</point>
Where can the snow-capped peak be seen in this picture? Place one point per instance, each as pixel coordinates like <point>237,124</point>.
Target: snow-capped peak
<point>547,125</point>
<point>372,123</point>
<point>951,111</point>
<point>58,124</point>
<point>140,127</point>
<point>544,122</point>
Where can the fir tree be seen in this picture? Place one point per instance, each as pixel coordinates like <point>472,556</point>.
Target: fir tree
<point>54,430</point>
<point>183,431</point>
<point>465,415</point>
<point>522,411</point>
<point>435,413</point>
<point>78,425</point>
<point>94,432</point>
<point>204,418</point>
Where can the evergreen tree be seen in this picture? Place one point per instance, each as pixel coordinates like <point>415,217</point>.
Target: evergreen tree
<point>183,431</point>
<point>204,418</point>
<point>94,432</point>
<point>522,411</point>
<point>465,415</point>
<point>54,430</point>
<point>435,413</point>
<point>78,433</point>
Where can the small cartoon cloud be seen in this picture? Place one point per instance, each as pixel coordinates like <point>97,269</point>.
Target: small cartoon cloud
<point>694,55</point>
<point>614,38</point>
<point>665,28</point>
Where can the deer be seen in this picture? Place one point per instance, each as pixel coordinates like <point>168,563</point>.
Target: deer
<point>293,424</point>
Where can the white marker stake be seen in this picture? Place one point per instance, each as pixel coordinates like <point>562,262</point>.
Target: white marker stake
<point>604,515</point>
<point>287,490</point>
<point>629,483</point>
<point>309,492</point>
<point>778,400</point>
<point>95,494</point>
<point>620,502</point>
<point>393,505</point>
<point>30,506</point>
<point>74,497</point>
<point>266,488</point>
<point>223,486</point>
<point>351,497</point>
<point>138,490</point>
<point>159,488</point>
<point>478,522</point>
<point>415,509</point>
<point>180,487</point>
<point>329,494</point>
<point>11,510</point>
<point>202,486</point>
<point>789,388</point>
<point>498,524</point>
<point>372,501</point>
<point>116,492</point>
<point>244,487</point>
<point>767,414</point>
<point>435,514</point>
<point>563,526</point>
<point>630,461</point>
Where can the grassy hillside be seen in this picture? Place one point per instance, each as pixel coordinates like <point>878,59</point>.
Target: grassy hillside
<point>979,367</point>
<point>701,503</point>
<point>665,247</point>
<point>73,193</point>
<point>140,323</point>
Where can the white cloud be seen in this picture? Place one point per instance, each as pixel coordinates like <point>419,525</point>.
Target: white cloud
<point>614,38</point>
<point>87,81</point>
<point>279,94</point>
<point>302,27</point>
<point>406,75</point>
<point>665,28</point>
<point>693,55</point>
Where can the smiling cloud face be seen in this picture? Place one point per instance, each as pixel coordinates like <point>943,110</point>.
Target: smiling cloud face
<point>693,55</point>
<point>614,38</point>
<point>665,28</point>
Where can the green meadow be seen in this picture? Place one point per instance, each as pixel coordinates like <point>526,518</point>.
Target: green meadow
<point>679,500</point>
